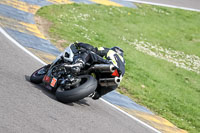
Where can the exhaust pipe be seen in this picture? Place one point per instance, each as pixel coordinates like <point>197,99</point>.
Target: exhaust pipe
<point>109,81</point>
<point>104,68</point>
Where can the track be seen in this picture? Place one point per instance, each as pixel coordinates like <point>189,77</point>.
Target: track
<point>26,107</point>
<point>193,5</point>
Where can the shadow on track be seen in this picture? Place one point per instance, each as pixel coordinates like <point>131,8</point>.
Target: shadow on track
<point>51,95</point>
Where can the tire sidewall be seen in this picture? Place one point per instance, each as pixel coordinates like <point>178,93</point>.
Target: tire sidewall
<point>79,92</point>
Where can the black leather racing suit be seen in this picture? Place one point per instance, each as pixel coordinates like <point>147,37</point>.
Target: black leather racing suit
<point>110,57</point>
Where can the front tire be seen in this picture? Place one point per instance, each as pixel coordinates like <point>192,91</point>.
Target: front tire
<point>87,87</point>
<point>37,76</point>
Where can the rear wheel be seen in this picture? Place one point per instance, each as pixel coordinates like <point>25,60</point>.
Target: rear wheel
<point>87,86</point>
<point>38,75</point>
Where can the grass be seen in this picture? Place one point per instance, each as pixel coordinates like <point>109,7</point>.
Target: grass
<point>153,81</point>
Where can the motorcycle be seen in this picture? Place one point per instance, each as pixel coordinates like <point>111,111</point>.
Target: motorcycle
<point>71,81</point>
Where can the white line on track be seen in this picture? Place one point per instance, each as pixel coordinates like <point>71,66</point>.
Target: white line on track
<point>35,57</point>
<point>136,119</point>
<point>20,46</point>
<point>164,5</point>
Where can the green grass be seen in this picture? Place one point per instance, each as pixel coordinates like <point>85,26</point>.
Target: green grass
<point>169,91</point>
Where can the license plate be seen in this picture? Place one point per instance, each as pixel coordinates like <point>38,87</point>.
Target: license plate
<point>53,82</point>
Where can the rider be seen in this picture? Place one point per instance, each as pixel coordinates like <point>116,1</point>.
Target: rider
<point>112,55</point>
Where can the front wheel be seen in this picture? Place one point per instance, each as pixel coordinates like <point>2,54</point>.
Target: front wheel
<point>38,75</point>
<point>87,86</point>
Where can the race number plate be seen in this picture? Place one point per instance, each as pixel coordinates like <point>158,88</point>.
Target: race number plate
<point>53,82</point>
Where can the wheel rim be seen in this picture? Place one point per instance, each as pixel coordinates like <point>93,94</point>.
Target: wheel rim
<point>79,82</point>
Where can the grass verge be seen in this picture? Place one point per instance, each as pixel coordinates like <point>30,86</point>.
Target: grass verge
<point>161,45</point>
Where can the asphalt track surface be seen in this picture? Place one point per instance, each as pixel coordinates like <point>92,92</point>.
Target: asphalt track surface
<point>193,4</point>
<point>26,107</point>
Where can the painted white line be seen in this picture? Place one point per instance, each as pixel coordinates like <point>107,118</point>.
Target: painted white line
<point>164,5</point>
<point>20,46</point>
<point>136,119</point>
<point>38,59</point>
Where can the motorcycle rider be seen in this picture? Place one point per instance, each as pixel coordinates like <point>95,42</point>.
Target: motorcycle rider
<point>112,55</point>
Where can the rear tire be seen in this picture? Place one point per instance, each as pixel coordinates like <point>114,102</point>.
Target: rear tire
<point>82,91</point>
<point>37,78</point>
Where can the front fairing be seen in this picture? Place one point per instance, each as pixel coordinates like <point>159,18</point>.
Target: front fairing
<point>58,61</point>
<point>67,55</point>
<point>48,79</point>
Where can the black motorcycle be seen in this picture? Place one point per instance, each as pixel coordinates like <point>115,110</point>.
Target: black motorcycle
<point>71,81</point>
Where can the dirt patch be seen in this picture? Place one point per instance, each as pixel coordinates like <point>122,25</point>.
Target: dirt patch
<point>44,26</point>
